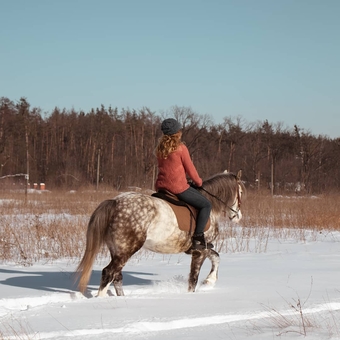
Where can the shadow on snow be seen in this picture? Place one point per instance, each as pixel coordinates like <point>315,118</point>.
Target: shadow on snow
<point>63,281</point>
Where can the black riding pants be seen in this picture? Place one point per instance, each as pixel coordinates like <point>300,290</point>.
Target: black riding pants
<point>202,204</point>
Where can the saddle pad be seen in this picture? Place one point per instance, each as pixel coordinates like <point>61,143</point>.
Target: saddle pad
<point>185,213</point>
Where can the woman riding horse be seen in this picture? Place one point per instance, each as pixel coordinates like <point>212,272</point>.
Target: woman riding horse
<point>132,221</point>
<point>174,163</point>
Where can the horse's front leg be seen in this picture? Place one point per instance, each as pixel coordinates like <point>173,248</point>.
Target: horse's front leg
<point>215,262</point>
<point>197,259</point>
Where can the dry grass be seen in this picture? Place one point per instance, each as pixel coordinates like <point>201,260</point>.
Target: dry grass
<point>299,212</point>
<point>298,218</point>
<point>53,225</point>
<point>46,226</point>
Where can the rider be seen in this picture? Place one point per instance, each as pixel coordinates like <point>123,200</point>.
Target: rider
<point>174,163</point>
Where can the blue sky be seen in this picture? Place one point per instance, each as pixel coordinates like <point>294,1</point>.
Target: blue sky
<point>258,59</point>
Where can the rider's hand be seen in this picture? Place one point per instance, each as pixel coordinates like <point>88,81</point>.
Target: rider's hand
<point>193,185</point>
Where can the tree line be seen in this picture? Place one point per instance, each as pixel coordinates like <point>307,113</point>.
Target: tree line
<point>107,147</point>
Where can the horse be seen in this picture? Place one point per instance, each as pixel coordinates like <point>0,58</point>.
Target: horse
<point>134,220</point>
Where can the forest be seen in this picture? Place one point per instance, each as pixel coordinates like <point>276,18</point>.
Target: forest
<point>107,148</point>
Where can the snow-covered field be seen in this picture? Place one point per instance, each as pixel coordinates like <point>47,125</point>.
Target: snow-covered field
<point>290,291</point>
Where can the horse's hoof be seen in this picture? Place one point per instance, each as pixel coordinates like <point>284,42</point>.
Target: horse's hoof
<point>209,283</point>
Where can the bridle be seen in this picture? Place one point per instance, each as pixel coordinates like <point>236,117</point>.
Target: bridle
<point>238,199</point>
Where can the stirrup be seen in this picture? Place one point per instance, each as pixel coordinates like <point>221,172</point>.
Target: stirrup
<point>199,246</point>
<point>199,243</point>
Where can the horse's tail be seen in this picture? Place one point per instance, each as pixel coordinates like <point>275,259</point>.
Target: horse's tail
<point>96,231</point>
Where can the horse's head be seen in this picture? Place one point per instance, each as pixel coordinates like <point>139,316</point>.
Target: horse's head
<point>225,192</point>
<point>234,211</point>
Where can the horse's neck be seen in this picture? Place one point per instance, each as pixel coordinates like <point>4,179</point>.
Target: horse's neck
<point>214,220</point>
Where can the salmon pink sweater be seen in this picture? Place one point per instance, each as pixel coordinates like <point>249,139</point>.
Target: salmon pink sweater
<point>172,171</point>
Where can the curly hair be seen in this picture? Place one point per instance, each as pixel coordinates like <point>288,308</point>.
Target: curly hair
<point>168,144</point>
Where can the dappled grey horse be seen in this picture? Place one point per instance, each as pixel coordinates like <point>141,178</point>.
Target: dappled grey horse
<point>132,220</point>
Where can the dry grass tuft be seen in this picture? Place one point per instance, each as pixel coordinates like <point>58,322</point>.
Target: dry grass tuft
<point>18,329</point>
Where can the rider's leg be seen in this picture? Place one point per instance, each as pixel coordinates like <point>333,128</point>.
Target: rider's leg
<point>198,201</point>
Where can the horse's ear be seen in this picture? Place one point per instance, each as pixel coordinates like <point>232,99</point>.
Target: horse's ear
<point>239,174</point>
<point>225,171</point>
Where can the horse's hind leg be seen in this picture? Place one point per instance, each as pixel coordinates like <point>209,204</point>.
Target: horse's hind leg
<point>113,272</point>
<point>215,262</point>
<point>197,259</point>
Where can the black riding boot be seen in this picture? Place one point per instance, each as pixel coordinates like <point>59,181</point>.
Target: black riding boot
<point>199,243</point>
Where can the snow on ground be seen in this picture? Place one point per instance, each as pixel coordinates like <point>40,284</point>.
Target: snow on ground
<point>288,292</point>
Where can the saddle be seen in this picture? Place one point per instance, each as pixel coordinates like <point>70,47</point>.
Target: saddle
<point>185,213</point>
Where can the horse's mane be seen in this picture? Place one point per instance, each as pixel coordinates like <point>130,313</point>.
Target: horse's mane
<point>220,190</point>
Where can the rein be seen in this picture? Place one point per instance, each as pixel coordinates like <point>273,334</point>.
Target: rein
<point>225,203</point>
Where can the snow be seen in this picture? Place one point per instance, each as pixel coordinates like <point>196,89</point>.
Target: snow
<point>290,291</point>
